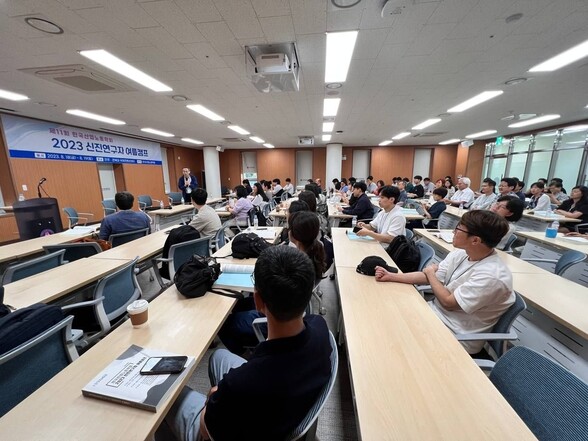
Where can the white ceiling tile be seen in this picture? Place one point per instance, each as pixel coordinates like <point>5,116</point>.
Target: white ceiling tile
<point>311,48</point>
<point>369,43</point>
<point>174,21</point>
<point>83,4</point>
<point>235,9</point>
<point>161,38</point>
<point>106,21</point>
<point>204,53</point>
<point>278,29</point>
<point>452,11</point>
<point>344,19</point>
<point>429,38</point>
<point>271,8</point>
<point>245,28</point>
<point>199,11</point>
<point>309,16</point>
<point>390,55</point>
<point>221,38</point>
<point>132,14</point>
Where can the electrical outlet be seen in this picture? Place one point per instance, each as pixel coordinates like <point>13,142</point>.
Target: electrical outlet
<point>25,188</point>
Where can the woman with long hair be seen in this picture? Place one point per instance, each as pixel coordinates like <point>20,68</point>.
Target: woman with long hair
<point>576,207</point>
<point>258,194</point>
<point>304,229</point>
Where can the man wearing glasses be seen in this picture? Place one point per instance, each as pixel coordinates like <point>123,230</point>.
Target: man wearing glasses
<point>472,285</point>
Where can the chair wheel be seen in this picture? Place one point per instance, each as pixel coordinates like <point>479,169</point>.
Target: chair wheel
<point>332,277</point>
<point>322,311</point>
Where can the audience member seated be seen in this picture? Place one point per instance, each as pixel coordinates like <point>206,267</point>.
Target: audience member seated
<point>289,188</point>
<point>519,189</point>
<point>464,196</point>
<point>576,207</point>
<point>431,212</point>
<point>241,209</point>
<point>511,208</point>
<point>539,200</point>
<point>277,188</point>
<point>282,379</point>
<point>428,186</point>
<point>247,186</point>
<point>448,184</point>
<point>507,186</point>
<point>206,221</point>
<point>370,184</point>
<point>125,219</point>
<point>487,198</point>
<point>403,196</point>
<point>472,286</point>
<point>237,331</point>
<point>362,207</point>
<point>418,191</point>
<point>556,194</point>
<point>258,194</point>
<point>379,186</point>
<point>389,222</point>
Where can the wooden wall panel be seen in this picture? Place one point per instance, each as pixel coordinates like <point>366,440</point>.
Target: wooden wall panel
<point>6,182</point>
<point>276,163</point>
<point>476,163</point>
<point>8,228</point>
<point>319,165</point>
<point>143,179</point>
<point>74,184</point>
<point>185,157</point>
<point>461,161</point>
<point>444,158</point>
<point>388,162</point>
<point>230,168</point>
<point>347,163</point>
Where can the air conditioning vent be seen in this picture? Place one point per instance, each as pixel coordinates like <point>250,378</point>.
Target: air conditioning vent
<point>306,140</point>
<point>4,109</point>
<point>428,134</point>
<point>79,77</point>
<point>233,139</point>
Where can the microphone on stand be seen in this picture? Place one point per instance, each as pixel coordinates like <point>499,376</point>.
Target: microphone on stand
<point>39,186</point>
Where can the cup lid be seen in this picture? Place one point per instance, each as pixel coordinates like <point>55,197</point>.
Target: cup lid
<point>138,306</point>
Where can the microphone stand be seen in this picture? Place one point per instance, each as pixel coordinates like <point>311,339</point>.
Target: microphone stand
<point>39,188</point>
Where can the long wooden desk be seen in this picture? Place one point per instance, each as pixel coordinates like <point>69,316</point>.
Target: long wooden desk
<point>224,254</point>
<point>411,379</point>
<point>169,214</point>
<point>51,285</point>
<point>537,246</point>
<point>144,247</point>
<point>347,258</point>
<point>58,411</point>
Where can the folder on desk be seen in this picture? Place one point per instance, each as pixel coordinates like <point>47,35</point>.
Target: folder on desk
<point>352,236</point>
<point>235,281</point>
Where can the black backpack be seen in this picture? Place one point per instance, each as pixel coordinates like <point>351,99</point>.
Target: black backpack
<point>405,254</point>
<point>196,276</point>
<point>247,245</point>
<point>261,220</point>
<point>183,233</point>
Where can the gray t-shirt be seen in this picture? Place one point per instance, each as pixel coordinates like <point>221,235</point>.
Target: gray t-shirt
<point>206,221</point>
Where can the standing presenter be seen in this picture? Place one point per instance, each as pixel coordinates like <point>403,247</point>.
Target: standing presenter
<point>186,184</point>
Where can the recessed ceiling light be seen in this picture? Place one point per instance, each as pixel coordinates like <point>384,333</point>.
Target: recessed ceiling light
<point>339,51</point>
<point>180,98</point>
<point>480,134</point>
<point>257,139</point>
<point>514,17</point>
<point>199,108</point>
<point>426,123</point>
<point>326,138</point>
<point>12,96</point>
<point>586,106</point>
<point>563,59</point>
<point>450,141</point>
<point>268,145</point>
<point>94,116</point>
<point>331,106</point>
<point>474,101</point>
<point>328,126</point>
<point>40,24</point>
<point>157,132</point>
<point>539,119</point>
<point>192,141</point>
<point>514,81</point>
<point>109,61</point>
<point>334,86</point>
<point>401,135</point>
<point>239,130</point>
<point>387,142</point>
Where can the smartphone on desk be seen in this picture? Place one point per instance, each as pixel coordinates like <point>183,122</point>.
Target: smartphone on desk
<point>164,365</point>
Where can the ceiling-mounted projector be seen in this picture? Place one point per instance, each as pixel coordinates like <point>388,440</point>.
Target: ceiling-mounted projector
<point>273,67</point>
<point>272,63</point>
<point>306,140</point>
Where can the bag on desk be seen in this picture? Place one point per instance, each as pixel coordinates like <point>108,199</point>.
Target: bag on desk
<point>180,234</point>
<point>247,245</point>
<point>103,244</point>
<point>196,276</point>
<point>405,254</point>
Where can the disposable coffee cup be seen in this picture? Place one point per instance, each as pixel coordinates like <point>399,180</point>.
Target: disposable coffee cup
<point>139,312</point>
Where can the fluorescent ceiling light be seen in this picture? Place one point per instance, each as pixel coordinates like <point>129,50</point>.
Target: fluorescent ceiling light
<point>108,60</point>
<point>96,117</point>
<point>268,145</point>
<point>239,130</point>
<point>339,51</point>
<point>199,108</point>
<point>563,59</point>
<point>426,123</point>
<point>474,101</point>
<point>331,106</point>
<point>387,142</point>
<point>192,141</point>
<point>480,134</point>
<point>530,122</point>
<point>450,141</point>
<point>401,135</point>
<point>573,129</point>
<point>326,137</point>
<point>12,96</point>
<point>328,126</point>
<point>542,135</point>
<point>257,139</point>
<point>157,132</point>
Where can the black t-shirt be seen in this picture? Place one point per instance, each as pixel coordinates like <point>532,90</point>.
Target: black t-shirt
<point>419,190</point>
<point>267,397</point>
<point>580,206</point>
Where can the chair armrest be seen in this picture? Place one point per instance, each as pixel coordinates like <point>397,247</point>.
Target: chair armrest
<point>422,288</point>
<point>87,214</point>
<point>539,260</point>
<point>486,336</point>
<point>161,259</point>
<point>156,200</point>
<point>485,365</point>
<point>85,304</point>
<point>257,328</point>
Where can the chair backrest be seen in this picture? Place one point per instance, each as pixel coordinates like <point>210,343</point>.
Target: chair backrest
<point>72,216</point>
<point>31,267</point>
<point>284,196</point>
<point>181,252</point>
<point>175,197</point>
<point>251,216</point>
<point>27,367</point>
<point>74,251</point>
<point>109,206</point>
<point>311,417</point>
<point>219,239</point>
<point>505,322</point>
<point>119,290</point>
<point>551,400</point>
<point>145,201</point>
<point>446,222</point>
<point>567,260</point>
<point>122,238</point>
<point>409,234</point>
<point>509,242</point>
<point>427,253</point>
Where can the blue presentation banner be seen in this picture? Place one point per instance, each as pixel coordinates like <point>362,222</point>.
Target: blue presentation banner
<point>29,138</point>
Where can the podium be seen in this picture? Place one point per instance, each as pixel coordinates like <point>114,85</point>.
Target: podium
<point>37,217</point>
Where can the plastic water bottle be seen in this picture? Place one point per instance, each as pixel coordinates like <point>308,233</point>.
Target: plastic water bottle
<point>354,222</point>
<point>460,209</point>
<point>161,204</point>
<point>21,197</point>
<point>182,201</point>
<point>551,231</point>
<point>255,222</point>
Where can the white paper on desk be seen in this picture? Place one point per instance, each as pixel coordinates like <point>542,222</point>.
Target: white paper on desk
<point>236,268</point>
<point>264,234</point>
<point>80,230</point>
<point>574,239</point>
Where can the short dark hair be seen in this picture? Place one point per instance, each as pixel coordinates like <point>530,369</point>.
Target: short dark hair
<point>310,198</point>
<point>298,205</point>
<point>124,200</point>
<point>538,184</point>
<point>337,185</point>
<point>555,184</point>
<point>276,181</point>
<point>560,180</point>
<point>441,191</point>
<point>419,177</point>
<point>388,191</point>
<point>370,177</point>
<point>313,188</point>
<point>245,181</point>
<point>352,179</point>
<point>199,196</point>
<point>288,180</point>
<point>335,180</point>
<point>511,182</point>
<point>361,186</point>
<point>487,225</point>
<point>490,181</point>
<point>240,191</point>
<point>427,179</point>
<point>515,205</point>
<point>543,179</point>
<point>286,293</point>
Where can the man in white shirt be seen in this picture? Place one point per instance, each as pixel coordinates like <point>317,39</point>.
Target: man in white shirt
<point>277,188</point>
<point>428,186</point>
<point>472,285</point>
<point>507,186</point>
<point>487,198</point>
<point>207,220</point>
<point>389,222</point>
<point>289,188</point>
<point>464,195</point>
